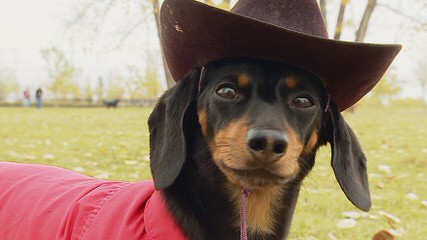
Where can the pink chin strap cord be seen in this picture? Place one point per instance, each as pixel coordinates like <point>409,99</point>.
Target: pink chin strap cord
<point>202,75</point>
<point>327,103</point>
<point>243,214</point>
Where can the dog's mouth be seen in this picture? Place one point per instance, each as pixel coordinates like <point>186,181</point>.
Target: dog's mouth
<point>252,178</point>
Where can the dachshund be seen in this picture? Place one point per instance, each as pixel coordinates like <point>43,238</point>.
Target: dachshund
<point>247,124</point>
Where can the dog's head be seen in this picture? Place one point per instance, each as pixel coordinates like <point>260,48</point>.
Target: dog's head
<point>263,122</point>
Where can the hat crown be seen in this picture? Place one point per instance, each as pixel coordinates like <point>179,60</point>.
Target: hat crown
<point>302,16</point>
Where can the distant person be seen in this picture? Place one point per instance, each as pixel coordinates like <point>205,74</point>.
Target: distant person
<point>27,97</point>
<point>39,101</point>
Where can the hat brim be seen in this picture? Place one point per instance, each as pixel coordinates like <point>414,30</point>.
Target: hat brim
<point>193,34</point>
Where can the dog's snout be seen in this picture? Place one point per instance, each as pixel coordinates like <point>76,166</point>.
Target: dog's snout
<point>267,145</point>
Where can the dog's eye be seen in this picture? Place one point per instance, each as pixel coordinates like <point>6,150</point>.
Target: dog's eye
<point>227,92</point>
<point>303,102</point>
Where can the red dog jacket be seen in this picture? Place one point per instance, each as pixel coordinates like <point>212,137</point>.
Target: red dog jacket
<point>43,202</point>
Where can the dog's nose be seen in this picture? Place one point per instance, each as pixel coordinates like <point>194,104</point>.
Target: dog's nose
<point>267,145</point>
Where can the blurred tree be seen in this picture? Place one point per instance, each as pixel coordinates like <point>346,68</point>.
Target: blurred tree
<point>143,84</point>
<point>7,85</point>
<point>91,15</point>
<point>387,89</point>
<point>115,88</point>
<point>115,91</point>
<point>88,93</point>
<point>151,83</point>
<point>363,26</point>
<point>60,73</point>
<point>340,19</point>
<point>340,23</point>
<point>99,90</point>
<point>134,83</point>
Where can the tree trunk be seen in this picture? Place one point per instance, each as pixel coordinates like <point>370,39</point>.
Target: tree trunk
<point>322,4</point>
<point>156,10</point>
<point>340,19</point>
<point>363,27</point>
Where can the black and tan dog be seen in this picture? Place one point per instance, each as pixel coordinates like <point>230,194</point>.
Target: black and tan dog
<point>249,124</point>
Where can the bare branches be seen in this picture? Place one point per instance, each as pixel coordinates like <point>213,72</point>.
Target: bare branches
<point>90,13</point>
<point>128,32</point>
<point>93,17</point>
<point>412,18</point>
<point>340,19</point>
<point>363,27</point>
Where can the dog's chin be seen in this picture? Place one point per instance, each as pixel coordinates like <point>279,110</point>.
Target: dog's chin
<point>254,178</point>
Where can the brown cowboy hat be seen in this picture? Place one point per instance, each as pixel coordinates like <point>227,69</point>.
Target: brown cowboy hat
<point>288,31</point>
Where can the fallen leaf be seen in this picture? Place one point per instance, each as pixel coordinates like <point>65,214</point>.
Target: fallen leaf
<point>131,162</point>
<point>332,236</point>
<point>355,214</point>
<point>347,223</point>
<point>380,185</point>
<point>397,232</point>
<point>49,156</point>
<point>79,169</point>
<point>88,154</point>
<point>383,235</point>
<point>412,196</point>
<point>384,168</point>
<point>392,220</point>
<point>373,216</point>
<point>389,216</point>
<point>30,157</point>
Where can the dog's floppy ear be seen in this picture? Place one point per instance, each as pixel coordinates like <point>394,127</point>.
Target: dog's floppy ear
<point>168,149</point>
<point>348,161</point>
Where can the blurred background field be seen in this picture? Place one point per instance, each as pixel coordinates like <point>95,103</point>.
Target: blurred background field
<point>113,144</point>
<point>100,142</point>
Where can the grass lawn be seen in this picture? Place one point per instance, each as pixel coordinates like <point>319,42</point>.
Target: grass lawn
<point>113,144</point>
<point>106,143</point>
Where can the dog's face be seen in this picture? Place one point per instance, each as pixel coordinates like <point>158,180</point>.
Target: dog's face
<point>263,122</point>
<point>259,118</point>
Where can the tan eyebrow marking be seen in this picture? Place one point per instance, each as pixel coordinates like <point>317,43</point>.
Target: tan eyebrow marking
<point>291,82</point>
<point>243,80</point>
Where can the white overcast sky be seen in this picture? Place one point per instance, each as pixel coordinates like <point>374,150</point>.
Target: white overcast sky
<point>26,26</point>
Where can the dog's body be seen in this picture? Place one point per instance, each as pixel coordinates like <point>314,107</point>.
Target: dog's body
<point>253,125</point>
